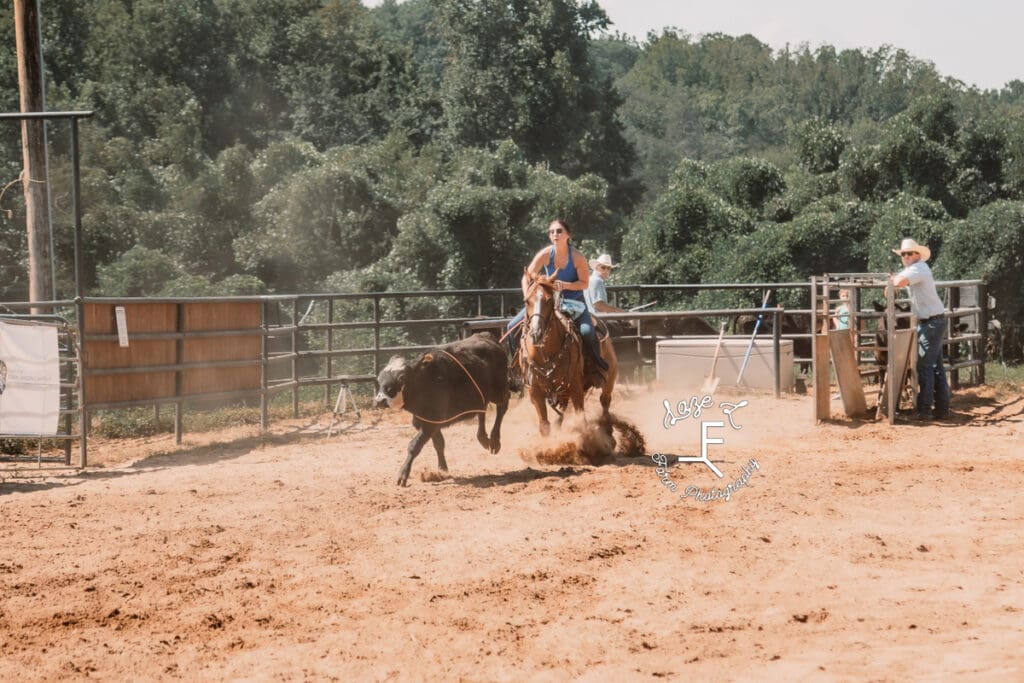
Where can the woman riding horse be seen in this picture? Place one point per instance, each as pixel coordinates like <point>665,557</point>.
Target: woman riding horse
<point>552,357</point>
<point>569,271</point>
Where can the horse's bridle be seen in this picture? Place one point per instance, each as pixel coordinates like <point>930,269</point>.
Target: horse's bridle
<point>542,320</point>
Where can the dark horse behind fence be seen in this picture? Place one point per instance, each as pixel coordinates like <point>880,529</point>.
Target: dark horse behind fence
<point>552,356</point>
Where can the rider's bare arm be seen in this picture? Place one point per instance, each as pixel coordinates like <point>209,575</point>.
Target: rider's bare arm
<point>535,265</point>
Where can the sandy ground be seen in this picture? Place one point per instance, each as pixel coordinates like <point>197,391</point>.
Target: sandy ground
<point>855,551</point>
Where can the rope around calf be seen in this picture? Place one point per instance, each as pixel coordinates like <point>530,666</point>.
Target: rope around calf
<point>464,412</point>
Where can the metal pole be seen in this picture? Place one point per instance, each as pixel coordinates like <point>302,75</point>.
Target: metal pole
<point>776,341</point>
<point>951,347</point>
<point>179,380</point>
<point>264,422</point>
<point>83,417</point>
<point>76,193</point>
<point>750,346</point>
<point>376,336</point>
<point>814,341</point>
<point>295,360</point>
<point>893,384</point>
<point>46,161</point>
<point>330,347</point>
<point>983,324</point>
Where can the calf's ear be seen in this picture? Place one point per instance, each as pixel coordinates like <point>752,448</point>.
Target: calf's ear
<point>878,306</point>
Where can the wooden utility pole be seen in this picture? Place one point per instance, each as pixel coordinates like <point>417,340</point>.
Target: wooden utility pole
<point>37,210</point>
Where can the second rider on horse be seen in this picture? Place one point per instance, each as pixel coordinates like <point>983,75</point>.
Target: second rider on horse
<point>569,268</point>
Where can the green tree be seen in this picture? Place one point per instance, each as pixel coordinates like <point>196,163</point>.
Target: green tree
<point>521,71</point>
<point>747,183</point>
<point>138,272</point>
<point>481,225</point>
<point>989,244</point>
<point>320,220</point>
<point>904,215</point>
<point>674,240</point>
<point>819,145</point>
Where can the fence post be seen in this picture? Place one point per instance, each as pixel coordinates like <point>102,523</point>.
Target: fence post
<point>776,341</point>
<point>376,336</point>
<point>330,347</point>
<point>83,414</point>
<point>983,324</point>
<point>294,359</point>
<point>67,416</point>
<point>179,358</point>
<point>893,384</point>
<point>819,356</point>
<point>952,348</point>
<point>264,422</point>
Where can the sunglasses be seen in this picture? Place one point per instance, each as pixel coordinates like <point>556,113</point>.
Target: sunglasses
<point>556,231</point>
<point>907,253</point>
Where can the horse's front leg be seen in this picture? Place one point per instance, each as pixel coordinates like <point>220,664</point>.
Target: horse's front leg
<point>538,399</point>
<point>577,399</point>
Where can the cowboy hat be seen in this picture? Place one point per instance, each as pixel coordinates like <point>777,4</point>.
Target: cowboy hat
<point>910,244</point>
<point>602,260</point>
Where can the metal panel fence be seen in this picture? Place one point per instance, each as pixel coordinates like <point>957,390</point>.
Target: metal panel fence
<point>194,351</point>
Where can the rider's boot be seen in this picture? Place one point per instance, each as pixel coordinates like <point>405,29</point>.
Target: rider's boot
<point>595,351</point>
<point>515,370</point>
<point>594,371</point>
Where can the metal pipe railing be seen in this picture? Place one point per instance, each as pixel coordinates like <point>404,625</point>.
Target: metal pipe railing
<point>321,340</point>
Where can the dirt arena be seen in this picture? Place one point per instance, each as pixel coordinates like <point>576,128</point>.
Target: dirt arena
<point>854,551</point>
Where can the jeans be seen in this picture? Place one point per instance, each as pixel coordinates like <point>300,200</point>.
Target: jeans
<point>933,387</point>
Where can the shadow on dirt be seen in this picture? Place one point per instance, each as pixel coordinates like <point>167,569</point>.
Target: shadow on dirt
<point>968,410</point>
<point>23,480</point>
<point>518,477</point>
<point>8,485</point>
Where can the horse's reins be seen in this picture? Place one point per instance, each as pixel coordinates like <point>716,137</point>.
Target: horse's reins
<point>548,367</point>
<point>464,412</point>
<point>526,300</point>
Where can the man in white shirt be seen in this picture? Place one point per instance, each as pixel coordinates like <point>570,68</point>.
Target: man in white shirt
<point>597,293</point>
<point>927,307</point>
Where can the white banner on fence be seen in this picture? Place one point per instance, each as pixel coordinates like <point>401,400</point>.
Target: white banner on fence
<point>29,379</point>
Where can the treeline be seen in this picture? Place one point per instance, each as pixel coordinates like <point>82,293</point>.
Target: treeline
<point>244,146</point>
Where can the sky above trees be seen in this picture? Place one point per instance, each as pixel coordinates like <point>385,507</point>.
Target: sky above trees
<point>976,42</point>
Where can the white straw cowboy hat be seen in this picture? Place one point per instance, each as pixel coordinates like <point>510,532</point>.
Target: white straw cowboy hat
<point>602,260</point>
<point>910,244</point>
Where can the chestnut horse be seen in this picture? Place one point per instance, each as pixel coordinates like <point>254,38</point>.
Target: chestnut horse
<point>552,356</point>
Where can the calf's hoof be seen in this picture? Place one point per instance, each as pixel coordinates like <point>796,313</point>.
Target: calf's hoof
<point>484,441</point>
<point>495,446</point>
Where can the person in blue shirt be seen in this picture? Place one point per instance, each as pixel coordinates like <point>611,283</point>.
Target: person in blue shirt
<point>597,293</point>
<point>841,318</point>
<point>927,307</point>
<point>572,275</point>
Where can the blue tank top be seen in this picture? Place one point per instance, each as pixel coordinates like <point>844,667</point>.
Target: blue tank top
<point>566,274</point>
